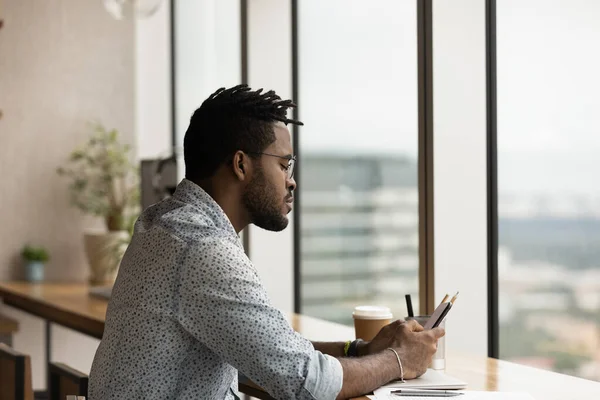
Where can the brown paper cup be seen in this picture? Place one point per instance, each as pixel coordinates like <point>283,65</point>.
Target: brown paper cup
<point>368,321</point>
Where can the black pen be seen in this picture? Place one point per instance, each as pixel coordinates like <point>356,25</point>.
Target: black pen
<point>409,305</point>
<point>425,393</point>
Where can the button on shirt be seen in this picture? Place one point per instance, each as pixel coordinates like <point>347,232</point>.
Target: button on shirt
<point>188,311</point>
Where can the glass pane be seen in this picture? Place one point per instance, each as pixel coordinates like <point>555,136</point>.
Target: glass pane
<point>359,203</point>
<point>207,56</point>
<point>548,196</point>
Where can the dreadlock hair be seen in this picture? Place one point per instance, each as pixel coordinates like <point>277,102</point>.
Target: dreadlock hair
<point>231,120</point>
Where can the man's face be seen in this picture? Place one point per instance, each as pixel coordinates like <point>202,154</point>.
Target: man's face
<point>268,196</point>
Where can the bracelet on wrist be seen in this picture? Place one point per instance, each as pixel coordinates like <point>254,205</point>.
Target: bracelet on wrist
<point>399,364</point>
<point>353,348</point>
<point>346,347</point>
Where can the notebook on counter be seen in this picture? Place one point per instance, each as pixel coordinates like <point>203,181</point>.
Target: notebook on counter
<point>463,396</point>
<point>431,379</point>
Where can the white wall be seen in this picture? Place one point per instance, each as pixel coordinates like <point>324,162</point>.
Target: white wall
<point>460,215</point>
<point>270,67</point>
<point>62,63</point>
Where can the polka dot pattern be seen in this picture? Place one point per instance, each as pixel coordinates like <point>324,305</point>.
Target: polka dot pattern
<point>188,311</point>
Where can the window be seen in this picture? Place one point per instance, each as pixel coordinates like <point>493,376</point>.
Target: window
<point>207,55</point>
<point>548,192</point>
<point>359,205</point>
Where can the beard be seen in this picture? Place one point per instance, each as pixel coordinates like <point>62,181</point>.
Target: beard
<point>262,205</point>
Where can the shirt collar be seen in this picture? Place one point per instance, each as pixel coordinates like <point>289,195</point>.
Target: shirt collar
<point>192,194</point>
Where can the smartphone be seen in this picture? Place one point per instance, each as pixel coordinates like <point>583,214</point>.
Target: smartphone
<point>438,315</point>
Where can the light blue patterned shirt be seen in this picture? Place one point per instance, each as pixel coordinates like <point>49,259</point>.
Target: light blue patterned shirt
<point>188,311</point>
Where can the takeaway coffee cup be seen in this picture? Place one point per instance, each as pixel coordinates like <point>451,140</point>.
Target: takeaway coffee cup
<point>439,358</point>
<point>368,320</point>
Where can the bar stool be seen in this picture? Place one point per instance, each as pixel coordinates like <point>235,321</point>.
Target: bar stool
<point>66,381</point>
<point>8,327</point>
<point>15,375</point>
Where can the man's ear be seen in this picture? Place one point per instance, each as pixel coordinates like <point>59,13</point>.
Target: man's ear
<point>241,165</point>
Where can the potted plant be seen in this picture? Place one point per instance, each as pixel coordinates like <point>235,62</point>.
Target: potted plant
<point>34,258</point>
<point>104,182</point>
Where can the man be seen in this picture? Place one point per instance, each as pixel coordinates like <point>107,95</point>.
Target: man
<point>188,309</point>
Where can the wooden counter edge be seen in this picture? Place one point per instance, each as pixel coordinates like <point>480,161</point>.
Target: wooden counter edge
<point>52,312</point>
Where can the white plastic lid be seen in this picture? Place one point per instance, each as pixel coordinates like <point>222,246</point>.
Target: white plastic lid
<point>372,312</point>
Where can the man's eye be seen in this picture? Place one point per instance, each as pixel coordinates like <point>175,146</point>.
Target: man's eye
<point>285,167</point>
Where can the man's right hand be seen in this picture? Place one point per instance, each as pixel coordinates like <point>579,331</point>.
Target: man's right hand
<point>415,347</point>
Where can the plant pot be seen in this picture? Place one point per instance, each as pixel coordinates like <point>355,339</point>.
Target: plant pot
<point>104,252</point>
<point>34,271</point>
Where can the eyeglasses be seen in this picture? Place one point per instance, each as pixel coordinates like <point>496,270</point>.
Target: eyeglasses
<point>291,162</point>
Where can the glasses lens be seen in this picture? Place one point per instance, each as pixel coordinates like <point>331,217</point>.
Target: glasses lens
<point>290,170</point>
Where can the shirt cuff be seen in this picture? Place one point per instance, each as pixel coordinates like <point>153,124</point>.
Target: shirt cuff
<point>324,378</point>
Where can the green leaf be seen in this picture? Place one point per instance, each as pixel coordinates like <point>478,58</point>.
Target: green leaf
<point>31,253</point>
<point>77,155</point>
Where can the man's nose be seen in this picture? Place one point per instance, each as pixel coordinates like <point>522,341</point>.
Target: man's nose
<point>291,184</point>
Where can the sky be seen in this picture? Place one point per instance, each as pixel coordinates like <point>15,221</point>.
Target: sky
<point>358,86</point>
<point>358,76</point>
<point>548,85</point>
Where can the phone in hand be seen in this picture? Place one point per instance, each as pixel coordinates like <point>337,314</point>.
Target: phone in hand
<point>438,315</point>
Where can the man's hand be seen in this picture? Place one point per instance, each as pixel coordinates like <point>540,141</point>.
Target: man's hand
<point>414,345</point>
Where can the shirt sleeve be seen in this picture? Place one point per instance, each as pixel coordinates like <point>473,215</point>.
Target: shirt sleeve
<point>224,305</point>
